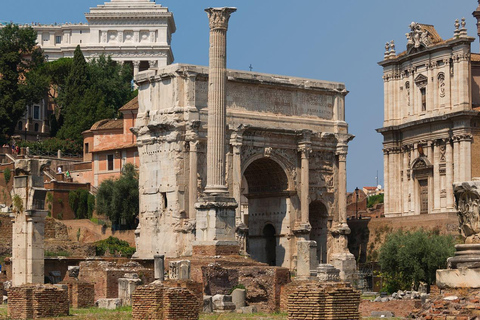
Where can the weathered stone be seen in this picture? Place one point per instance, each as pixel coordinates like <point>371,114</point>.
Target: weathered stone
<point>159,267</point>
<point>306,258</point>
<point>239,297</point>
<point>73,271</point>
<point>222,303</point>
<point>110,304</point>
<point>248,309</point>
<point>126,287</point>
<point>179,270</point>
<point>207,304</point>
<point>327,272</point>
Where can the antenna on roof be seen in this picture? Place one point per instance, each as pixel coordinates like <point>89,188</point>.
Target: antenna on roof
<point>250,67</point>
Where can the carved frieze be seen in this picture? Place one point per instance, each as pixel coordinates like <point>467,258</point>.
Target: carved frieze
<point>467,200</point>
<point>442,169</point>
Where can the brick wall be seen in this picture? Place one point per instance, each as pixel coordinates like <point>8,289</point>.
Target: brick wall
<point>81,294</point>
<point>161,301</point>
<point>316,300</point>
<point>37,301</point>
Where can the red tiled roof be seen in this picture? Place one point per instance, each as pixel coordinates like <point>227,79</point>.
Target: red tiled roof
<point>130,105</point>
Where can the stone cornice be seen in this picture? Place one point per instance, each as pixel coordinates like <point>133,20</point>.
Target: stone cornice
<point>445,117</point>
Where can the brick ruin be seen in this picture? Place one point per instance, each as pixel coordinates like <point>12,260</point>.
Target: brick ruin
<point>161,301</point>
<point>321,300</point>
<point>37,301</point>
<point>263,283</point>
<point>104,275</point>
<point>81,294</point>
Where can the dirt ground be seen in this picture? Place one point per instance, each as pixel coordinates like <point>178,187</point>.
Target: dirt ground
<point>400,308</point>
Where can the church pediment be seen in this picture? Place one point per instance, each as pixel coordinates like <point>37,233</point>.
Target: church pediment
<point>421,80</point>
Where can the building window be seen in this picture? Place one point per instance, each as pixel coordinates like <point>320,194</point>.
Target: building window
<point>58,39</point>
<point>423,92</point>
<point>36,127</point>
<point>36,112</point>
<point>86,147</point>
<point>110,162</point>
<point>20,125</point>
<point>81,31</point>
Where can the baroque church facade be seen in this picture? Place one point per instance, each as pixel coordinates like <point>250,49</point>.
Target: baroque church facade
<point>431,120</point>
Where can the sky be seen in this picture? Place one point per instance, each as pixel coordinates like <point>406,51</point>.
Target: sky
<point>334,40</point>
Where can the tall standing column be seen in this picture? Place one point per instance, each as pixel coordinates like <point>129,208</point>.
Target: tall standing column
<point>215,227</point>
<point>305,150</point>
<point>136,68</point>
<point>217,98</point>
<point>386,184</point>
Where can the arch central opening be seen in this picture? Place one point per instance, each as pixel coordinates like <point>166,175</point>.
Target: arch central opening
<point>265,206</point>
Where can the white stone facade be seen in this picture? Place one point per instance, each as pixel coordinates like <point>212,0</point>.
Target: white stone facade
<point>286,145</point>
<point>429,120</point>
<point>137,31</point>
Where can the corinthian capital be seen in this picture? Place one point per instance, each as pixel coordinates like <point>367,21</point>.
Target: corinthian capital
<point>219,17</point>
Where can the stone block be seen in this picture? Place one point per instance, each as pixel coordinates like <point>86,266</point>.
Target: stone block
<point>327,272</point>
<point>222,303</point>
<point>247,310</point>
<point>110,304</point>
<point>239,297</point>
<point>306,258</point>
<point>458,278</point>
<point>179,270</point>
<point>207,304</point>
<point>126,287</point>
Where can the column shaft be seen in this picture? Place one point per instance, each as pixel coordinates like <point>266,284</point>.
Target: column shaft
<point>436,177</point>
<point>342,188</point>
<point>304,201</point>
<point>449,174</point>
<point>386,184</point>
<point>192,180</point>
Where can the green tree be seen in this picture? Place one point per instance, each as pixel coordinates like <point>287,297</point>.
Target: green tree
<point>408,258</point>
<point>373,200</point>
<point>18,54</point>
<point>81,201</point>
<point>118,199</point>
<point>92,91</point>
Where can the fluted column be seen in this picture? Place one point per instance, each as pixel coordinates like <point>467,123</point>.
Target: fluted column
<point>192,179</point>
<point>449,173</point>
<point>217,97</point>
<point>136,68</point>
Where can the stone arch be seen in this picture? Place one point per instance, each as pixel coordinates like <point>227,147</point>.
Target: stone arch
<point>283,163</point>
<point>265,187</point>
<point>318,216</point>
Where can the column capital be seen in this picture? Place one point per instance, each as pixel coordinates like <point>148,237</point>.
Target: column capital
<point>219,17</point>
<point>305,149</point>
<point>152,63</point>
<point>136,63</point>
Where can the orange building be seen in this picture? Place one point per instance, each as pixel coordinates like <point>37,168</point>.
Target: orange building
<point>108,146</point>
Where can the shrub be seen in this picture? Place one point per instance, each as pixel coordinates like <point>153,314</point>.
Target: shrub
<point>82,203</point>
<point>373,200</point>
<point>114,246</point>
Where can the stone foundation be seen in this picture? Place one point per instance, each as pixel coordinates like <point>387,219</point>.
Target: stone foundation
<point>160,301</point>
<point>316,300</point>
<point>37,301</point>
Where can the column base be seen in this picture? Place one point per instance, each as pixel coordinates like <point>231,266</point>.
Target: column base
<point>215,220</point>
<point>345,262</point>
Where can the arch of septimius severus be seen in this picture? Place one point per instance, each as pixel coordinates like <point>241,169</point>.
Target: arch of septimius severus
<point>283,149</point>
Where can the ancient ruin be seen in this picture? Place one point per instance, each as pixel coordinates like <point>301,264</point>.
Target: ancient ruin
<point>271,173</point>
<point>463,270</point>
<point>28,196</point>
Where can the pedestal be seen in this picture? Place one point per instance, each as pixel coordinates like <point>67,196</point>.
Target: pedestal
<point>215,234</point>
<point>463,268</point>
<point>341,258</point>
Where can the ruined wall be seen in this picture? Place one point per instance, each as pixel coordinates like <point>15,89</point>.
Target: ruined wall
<point>81,294</point>
<point>34,302</point>
<point>159,301</point>
<point>263,283</point>
<point>317,300</point>
<point>104,275</point>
